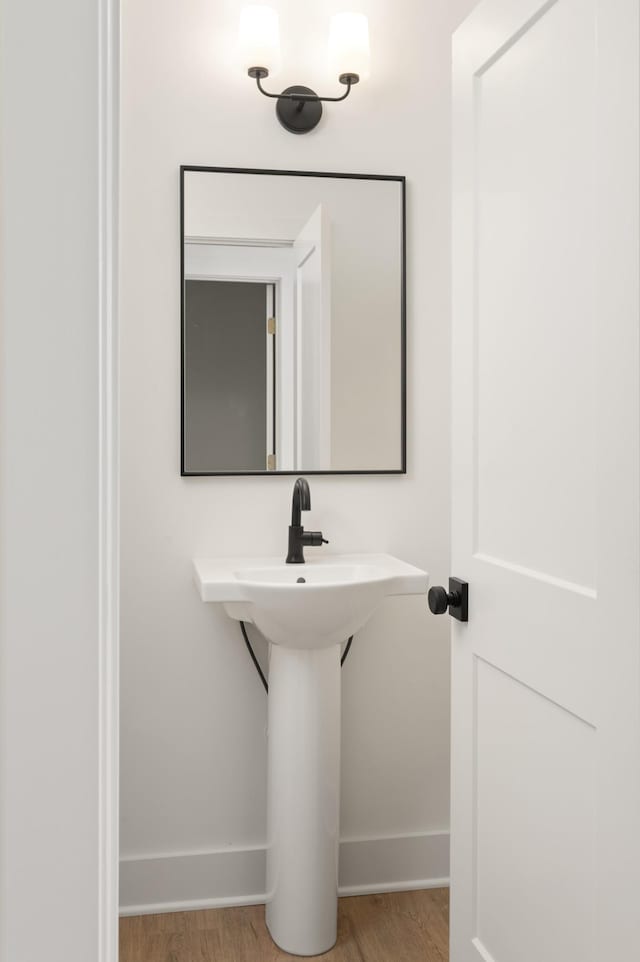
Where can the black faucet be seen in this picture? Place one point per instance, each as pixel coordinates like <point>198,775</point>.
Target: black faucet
<point>298,537</point>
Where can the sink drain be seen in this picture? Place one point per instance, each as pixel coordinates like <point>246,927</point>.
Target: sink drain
<point>301,581</point>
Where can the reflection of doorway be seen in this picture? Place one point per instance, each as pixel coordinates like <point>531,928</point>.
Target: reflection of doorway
<point>297,273</point>
<point>221,260</point>
<point>230,389</point>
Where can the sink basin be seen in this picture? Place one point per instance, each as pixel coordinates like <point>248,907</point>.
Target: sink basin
<point>335,599</point>
<point>306,611</point>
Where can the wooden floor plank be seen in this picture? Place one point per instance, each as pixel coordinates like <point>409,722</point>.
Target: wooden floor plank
<point>398,927</point>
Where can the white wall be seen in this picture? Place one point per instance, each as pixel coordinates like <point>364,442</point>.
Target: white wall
<point>193,711</point>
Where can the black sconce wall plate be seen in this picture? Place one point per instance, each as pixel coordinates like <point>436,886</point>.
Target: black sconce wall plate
<point>298,116</point>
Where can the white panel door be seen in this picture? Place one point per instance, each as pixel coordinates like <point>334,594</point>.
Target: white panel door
<point>313,344</point>
<point>546,482</point>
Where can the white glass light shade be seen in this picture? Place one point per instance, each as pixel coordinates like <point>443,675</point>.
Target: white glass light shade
<point>259,38</point>
<point>349,44</point>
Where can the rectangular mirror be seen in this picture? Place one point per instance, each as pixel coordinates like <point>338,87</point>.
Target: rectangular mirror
<point>293,322</point>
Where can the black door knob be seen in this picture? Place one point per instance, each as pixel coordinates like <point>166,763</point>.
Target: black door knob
<point>456,599</point>
<point>438,600</point>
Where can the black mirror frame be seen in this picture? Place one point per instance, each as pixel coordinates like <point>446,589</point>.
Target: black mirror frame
<point>186,168</point>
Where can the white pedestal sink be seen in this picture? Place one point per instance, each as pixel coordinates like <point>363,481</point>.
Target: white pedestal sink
<point>306,622</point>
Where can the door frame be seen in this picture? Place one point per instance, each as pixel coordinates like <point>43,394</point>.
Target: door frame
<point>109,482</point>
<point>59,630</point>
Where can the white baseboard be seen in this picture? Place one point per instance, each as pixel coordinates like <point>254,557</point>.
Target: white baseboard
<point>236,876</point>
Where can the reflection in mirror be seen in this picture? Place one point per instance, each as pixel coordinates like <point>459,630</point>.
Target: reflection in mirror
<point>292,322</point>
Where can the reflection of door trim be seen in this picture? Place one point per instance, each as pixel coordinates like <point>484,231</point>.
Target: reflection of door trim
<point>238,241</point>
<point>271,307</point>
<point>306,256</point>
<point>231,278</point>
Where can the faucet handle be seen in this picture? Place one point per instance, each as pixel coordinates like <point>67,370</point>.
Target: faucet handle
<point>313,539</point>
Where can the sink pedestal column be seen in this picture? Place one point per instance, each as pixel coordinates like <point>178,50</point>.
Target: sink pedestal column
<point>303,798</point>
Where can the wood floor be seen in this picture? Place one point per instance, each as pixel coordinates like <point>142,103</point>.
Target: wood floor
<point>399,927</point>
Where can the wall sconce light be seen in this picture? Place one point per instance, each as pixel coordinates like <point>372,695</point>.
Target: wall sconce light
<point>299,108</point>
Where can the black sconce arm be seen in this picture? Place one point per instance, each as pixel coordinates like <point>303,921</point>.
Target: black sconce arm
<point>348,79</point>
